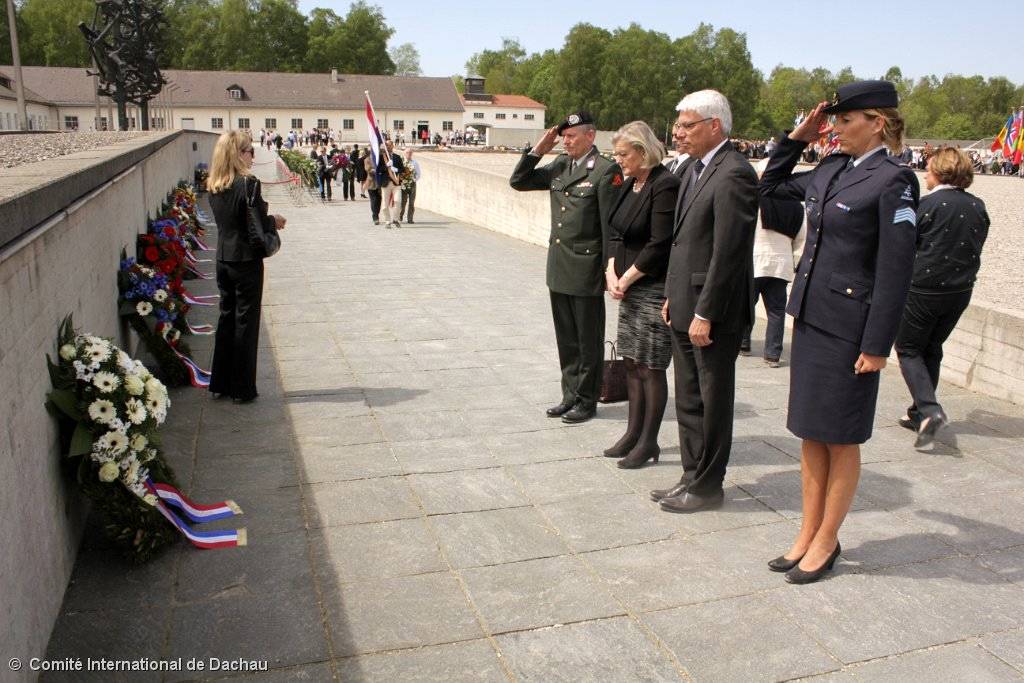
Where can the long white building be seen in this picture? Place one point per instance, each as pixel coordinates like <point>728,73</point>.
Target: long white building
<point>63,98</point>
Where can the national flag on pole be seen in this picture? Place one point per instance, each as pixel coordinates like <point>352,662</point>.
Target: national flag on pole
<point>1013,137</point>
<point>1018,152</point>
<point>375,137</point>
<point>1000,139</point>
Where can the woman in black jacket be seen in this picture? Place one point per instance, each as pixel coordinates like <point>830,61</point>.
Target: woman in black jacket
<point>239,266</point>
<point>641,223</point>
<point>952,225</point>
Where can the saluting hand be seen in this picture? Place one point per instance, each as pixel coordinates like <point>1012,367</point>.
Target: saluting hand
<point>812,127</point>
<point>546,143</point>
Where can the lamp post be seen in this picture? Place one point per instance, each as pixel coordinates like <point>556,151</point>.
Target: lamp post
<point>19,87</point>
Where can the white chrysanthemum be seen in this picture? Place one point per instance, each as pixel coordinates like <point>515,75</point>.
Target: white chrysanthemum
<point>98,352</point>
<point>106,381</point>
<point>95,365</point>
<point>143,308</point>
<point>131,474</point>
<point>90,339</point>
<point>117,424</point>
<point>68,352</point>
<point>147,270</point>
<point>115,442</point>
<point>160,296</point>
<point>81,372</point>
<point>134,384</point>
<point>109,471</point>
<point>102,411</point>
<point>124,361</point>
<point>155,388</point>
<point>171,306</point>
<point>139,441</point>
<point>135,411</point>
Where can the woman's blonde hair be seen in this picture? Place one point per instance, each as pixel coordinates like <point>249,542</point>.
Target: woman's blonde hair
<point>892,131</point>
<point>227,162</point>
<point>952,167</point>
<point>640,137</point>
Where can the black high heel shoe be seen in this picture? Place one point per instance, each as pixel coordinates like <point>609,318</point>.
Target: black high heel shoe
<point>622,447</point>
<point>782,564</point>
<point>797,575</point>
<point>638,458</point>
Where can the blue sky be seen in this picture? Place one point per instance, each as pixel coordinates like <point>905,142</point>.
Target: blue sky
<point>939,37</point>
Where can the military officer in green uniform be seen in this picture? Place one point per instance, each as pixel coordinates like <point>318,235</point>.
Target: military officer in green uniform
<point>583,186</point>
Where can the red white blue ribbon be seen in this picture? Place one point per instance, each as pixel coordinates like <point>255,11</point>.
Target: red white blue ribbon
<point>200,275</point>
<point>199,378</point>
<point>195,511</point>
<point>199,329</point>
<point>229,538</point>
<point>200,243</point>
<point>200,300</point>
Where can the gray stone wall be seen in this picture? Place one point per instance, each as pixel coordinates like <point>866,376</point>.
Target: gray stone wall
<point>69,265</point>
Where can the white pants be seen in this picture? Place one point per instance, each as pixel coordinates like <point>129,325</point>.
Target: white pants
<point>391,202</point>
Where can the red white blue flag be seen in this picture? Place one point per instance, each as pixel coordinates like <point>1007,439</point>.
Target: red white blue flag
<point>371,125</point>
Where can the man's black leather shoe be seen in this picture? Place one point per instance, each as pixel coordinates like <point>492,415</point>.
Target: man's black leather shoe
<point>692,502</point>
<point>579,413</point>
<point>677,490</point>
<point>559,410</point>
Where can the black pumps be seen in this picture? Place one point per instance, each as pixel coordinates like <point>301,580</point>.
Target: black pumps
<point>799,576</point>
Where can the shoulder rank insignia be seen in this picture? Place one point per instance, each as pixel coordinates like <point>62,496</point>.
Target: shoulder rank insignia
<point>590,163</point>
<point>905,214</point>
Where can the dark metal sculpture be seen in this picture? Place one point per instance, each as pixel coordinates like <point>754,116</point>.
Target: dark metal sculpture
<point>124,40</point>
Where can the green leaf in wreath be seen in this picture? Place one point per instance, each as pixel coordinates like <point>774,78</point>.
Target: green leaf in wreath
<point>81,440</point>
<point>65,400</point>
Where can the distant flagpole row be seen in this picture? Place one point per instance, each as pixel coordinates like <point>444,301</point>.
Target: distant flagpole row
<point>1010,140</point>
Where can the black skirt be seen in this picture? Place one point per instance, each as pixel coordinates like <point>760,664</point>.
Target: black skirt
<point>642,335</point>
<point>828,402</point>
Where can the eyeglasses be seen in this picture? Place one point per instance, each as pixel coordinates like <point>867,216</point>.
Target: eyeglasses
<point>691,125</point>
<point>248,150</point>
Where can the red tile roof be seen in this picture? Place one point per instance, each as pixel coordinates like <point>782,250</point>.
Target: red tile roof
<point>507,101</point>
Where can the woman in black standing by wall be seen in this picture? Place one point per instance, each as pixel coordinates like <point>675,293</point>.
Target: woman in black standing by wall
<point>847,300</point>
<point>239,267</point>
<point>641,223</point>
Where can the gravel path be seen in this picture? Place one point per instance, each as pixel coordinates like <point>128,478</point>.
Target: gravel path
<point>16,150</point>
<point>1001,280</point>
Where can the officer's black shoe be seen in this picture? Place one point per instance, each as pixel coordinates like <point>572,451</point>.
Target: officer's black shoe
<point>579,413</point>
<point>677,490</point>
<point>560,410</point>
<point>926,433</point>
<point>910,423</point>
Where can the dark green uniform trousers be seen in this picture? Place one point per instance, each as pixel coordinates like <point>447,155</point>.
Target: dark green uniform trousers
<point>579,334</point>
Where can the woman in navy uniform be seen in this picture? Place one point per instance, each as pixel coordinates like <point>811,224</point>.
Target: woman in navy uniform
<point>847,300</point>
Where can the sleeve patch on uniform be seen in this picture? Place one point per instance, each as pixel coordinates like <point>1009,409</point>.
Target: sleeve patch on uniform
<point>616,180</point>
<point>908,194</point>
<point>905,214</point>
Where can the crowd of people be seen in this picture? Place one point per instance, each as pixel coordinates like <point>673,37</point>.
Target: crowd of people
<point>687,245</point>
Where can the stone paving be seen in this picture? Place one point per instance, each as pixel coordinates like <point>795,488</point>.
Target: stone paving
<point>414,516</point>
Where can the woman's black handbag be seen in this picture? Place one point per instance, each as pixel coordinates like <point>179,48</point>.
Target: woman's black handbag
<point>613,380</point>
<point>260,235</point>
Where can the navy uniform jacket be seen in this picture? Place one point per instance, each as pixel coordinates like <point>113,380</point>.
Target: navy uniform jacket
<point>855,272</point>
<point>581,202</point>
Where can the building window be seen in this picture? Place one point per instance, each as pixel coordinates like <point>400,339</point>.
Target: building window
<point>156,122</point>
<point>131,121</point>
<point>528,117</point>
<point>447,125</point>
<point>70,123</point>
<point>271,123</point>
<point>296,124</point>
<point>243,123</point>
<point>103,122</point>
<point>216,123</point>
<point>499,116</point>
<point>323,123</point>
<point>478,115</point>
<point>348,124</point>
<point>235,94</point>
<point>399,124</point>
<point>515,116</point>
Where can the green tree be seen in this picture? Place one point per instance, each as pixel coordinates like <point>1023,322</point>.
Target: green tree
<point>499,67</point>
<point>460,83</point>
<point>191,34</point>
<point>576,83</point>
<point>283,37</point>
<point>51,36</point>
<point>407,60</point>
<point>633,59</point>
<point>365,36</point>
<point>325,46</point>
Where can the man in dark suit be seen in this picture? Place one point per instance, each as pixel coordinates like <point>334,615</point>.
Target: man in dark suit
<point>583,187</point>
<point>708,295</point>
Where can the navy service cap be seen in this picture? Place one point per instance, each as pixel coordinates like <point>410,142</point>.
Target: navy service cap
<point>863,95</point>
<point>577,118</point>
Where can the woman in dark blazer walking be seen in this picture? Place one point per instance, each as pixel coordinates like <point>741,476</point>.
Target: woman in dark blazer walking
<point>952,225</point>
<point>641,223</point>
<point>239,267</point>
<point>847,300</point>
